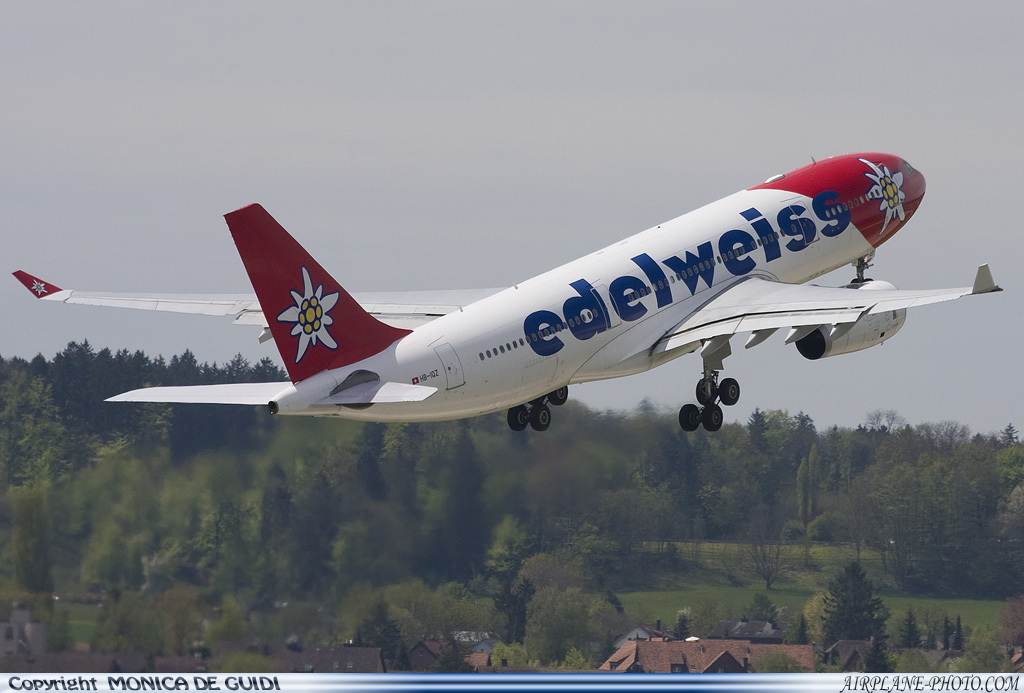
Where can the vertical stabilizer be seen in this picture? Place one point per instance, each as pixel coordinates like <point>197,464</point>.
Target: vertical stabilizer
<point>316,324</point>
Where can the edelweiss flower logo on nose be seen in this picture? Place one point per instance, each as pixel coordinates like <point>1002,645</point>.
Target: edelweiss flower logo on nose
<point>888,188</point>
<point>311,316</point>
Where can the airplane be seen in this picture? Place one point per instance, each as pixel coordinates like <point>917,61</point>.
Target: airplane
<point>691,284</point>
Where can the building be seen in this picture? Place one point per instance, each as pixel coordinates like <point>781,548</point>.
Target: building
<point>334,660</point>
<point>754,631</point>
<point>79,662</point>
<point>425,653</point>
<point>643,632</point>
<point>849,655</point>
<point>700,657</point>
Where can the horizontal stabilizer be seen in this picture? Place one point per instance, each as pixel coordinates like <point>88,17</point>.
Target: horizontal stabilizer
<point>233,393</point>
<point>377,392</point>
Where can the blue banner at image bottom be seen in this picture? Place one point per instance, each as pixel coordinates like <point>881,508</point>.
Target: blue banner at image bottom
<point>720,683</point>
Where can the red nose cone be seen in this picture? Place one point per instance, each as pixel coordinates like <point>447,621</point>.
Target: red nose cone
<point>895,192</point>
<point>876,192</point>
<point>913,188</point>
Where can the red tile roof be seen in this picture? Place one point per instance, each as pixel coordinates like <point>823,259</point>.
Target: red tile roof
<point>658,656</point>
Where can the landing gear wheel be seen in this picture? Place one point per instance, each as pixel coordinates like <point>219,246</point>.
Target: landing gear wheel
<point>540,417</point>
<point>518,418</point>
<point>559,396</point>
<point>712,417</point>
<point>729,392</point>
<point>707,390</point>
<point>689,417</point>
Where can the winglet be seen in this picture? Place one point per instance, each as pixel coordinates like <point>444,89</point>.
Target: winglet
<point>37,286</point>
<point>983,282</point>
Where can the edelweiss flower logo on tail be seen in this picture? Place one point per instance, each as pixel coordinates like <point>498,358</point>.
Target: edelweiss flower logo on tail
<point>888,188</point>
<point>311,316</point>
<point>39,287</point>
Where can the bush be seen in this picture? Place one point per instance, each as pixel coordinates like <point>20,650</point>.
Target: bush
<point>826,527</point>
<point>793,531</point>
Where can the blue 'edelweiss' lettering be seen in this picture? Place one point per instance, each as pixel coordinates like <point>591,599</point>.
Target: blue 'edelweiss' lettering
<point>586,314</point>
<point>695,267</point>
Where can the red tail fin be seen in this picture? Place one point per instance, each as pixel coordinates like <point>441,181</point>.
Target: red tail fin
<point>317,325</point>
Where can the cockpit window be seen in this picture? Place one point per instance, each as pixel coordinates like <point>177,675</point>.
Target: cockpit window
<point>908,168</point>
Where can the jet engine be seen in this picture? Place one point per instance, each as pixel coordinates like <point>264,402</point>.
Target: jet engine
<point>870,330</point>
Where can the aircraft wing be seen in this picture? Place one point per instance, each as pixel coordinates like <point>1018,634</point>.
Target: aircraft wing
<point>762,307</point>
<point>397,308</point>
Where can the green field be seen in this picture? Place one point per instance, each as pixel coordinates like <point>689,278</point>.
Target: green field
<point>720,574</point>
<point>82,620</point>
<point>663,604</point>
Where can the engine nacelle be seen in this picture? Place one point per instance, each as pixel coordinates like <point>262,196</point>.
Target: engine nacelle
<point>871,330</point>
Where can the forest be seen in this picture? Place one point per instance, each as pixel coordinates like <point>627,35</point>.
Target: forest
<point>212,523</point>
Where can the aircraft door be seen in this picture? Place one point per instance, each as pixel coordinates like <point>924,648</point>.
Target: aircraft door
<point>600,292</point>
<point>452,366</point>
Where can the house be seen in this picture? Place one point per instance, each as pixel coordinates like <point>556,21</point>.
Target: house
<point>754,631</point>
<point>701,656</point>
<point>334,660</point>
<point>486,645</point>
<point>478,660</point>
<point>79,662</point>
<point>643,632</point>
<point>1017,662</point>
<point>849,655</point>
<point>423,655</point>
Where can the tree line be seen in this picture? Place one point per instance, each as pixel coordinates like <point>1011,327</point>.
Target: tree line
<point>231,509</point>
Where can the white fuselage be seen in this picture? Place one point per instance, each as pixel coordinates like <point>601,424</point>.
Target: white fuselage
<point>504,350</point>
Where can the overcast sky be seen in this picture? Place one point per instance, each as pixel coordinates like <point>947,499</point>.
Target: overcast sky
<point>461,145</point>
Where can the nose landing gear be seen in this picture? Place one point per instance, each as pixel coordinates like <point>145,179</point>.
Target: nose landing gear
<point>709,413</point>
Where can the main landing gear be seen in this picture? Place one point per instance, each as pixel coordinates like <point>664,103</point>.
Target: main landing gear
<point>709,414</point>
<point>537,414</point>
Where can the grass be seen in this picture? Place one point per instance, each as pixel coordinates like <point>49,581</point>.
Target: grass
<point>82,620</point>
<point>722,576</point>
<point>663,604</point>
